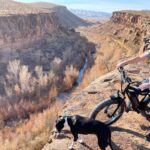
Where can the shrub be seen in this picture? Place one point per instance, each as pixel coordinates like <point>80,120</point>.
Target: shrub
<point>71,73</point>
<point>21,83</point>
<point>32,134</point>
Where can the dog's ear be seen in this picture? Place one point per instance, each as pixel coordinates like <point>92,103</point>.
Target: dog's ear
<point>59,118</point>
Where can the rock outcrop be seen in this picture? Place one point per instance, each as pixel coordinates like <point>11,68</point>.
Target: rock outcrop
<point>136,19</point>
<point>127,133</point>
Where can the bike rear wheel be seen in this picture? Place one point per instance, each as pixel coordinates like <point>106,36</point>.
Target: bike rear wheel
<point>108,111</point>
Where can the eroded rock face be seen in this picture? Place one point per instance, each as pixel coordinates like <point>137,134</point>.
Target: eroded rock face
<point>125,18</point>
<point>131,18</point>
<point>137,21</point>
<point>18,31</point>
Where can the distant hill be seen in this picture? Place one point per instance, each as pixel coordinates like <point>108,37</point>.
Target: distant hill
<point>90,14</point>
<point>8,7</point>
<point>66,18</point>
<point>146,10</point>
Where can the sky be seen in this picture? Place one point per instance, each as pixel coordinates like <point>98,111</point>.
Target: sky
<point>100,5</point>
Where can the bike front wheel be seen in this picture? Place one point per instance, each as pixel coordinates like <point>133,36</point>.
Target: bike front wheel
<point>146,109</point>
<point>108,111</point>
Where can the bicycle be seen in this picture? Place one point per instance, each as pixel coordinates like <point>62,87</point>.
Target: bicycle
<point>114,107</point>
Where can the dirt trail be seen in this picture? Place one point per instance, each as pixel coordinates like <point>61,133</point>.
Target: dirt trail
<point>127,134</point>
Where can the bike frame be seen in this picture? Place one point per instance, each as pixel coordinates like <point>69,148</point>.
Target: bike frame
<point>132,92</point>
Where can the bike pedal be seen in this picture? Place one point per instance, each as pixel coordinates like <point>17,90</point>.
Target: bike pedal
<point>128,109</point>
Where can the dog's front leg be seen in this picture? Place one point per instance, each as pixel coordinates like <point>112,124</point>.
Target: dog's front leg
<point>80,139</point>
<point>56,133</point>
<point>74,140</point>
<point>71,146</point>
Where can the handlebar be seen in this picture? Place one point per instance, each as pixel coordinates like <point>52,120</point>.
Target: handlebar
<point>131,84</point>
<point>124,77</point>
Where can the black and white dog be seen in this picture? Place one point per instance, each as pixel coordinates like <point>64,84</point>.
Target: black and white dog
<point>82,125</point>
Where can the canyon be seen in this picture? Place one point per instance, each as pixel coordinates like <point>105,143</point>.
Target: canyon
<point>45,50</point>
<point>37,37</point>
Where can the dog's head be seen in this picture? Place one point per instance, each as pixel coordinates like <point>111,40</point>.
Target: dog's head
<point>59,124</point>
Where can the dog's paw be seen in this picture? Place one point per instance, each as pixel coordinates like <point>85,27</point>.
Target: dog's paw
<point>56,135</point>
<point>50,140</point>
<point>81,141</point>
<point>70,148</point>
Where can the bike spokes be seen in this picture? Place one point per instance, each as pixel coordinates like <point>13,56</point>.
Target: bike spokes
<point>108,112</point>
<point>113,111</point>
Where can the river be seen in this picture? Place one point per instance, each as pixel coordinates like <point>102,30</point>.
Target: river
<point>64,95</point>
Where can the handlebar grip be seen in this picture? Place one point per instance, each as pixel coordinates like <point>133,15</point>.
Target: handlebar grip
<point>120,69</point>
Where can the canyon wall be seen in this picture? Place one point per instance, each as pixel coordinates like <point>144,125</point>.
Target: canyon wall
<point>17,31</point>
<point>133,19</point>
<point>126,18</point>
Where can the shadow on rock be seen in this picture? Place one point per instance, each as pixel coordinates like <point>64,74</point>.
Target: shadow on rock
<point>115,146</point>
<point>87,146</point>
<point>63,136</point>
<point>128,131</point>
<point>139,147</point>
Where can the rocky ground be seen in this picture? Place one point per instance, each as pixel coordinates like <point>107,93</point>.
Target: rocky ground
<point>128,133</point>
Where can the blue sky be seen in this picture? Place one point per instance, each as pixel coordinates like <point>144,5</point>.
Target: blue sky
<point>100,5</point>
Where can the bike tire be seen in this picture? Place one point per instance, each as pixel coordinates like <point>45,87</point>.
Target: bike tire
<point>146,113</point>
<point>106,103</point>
